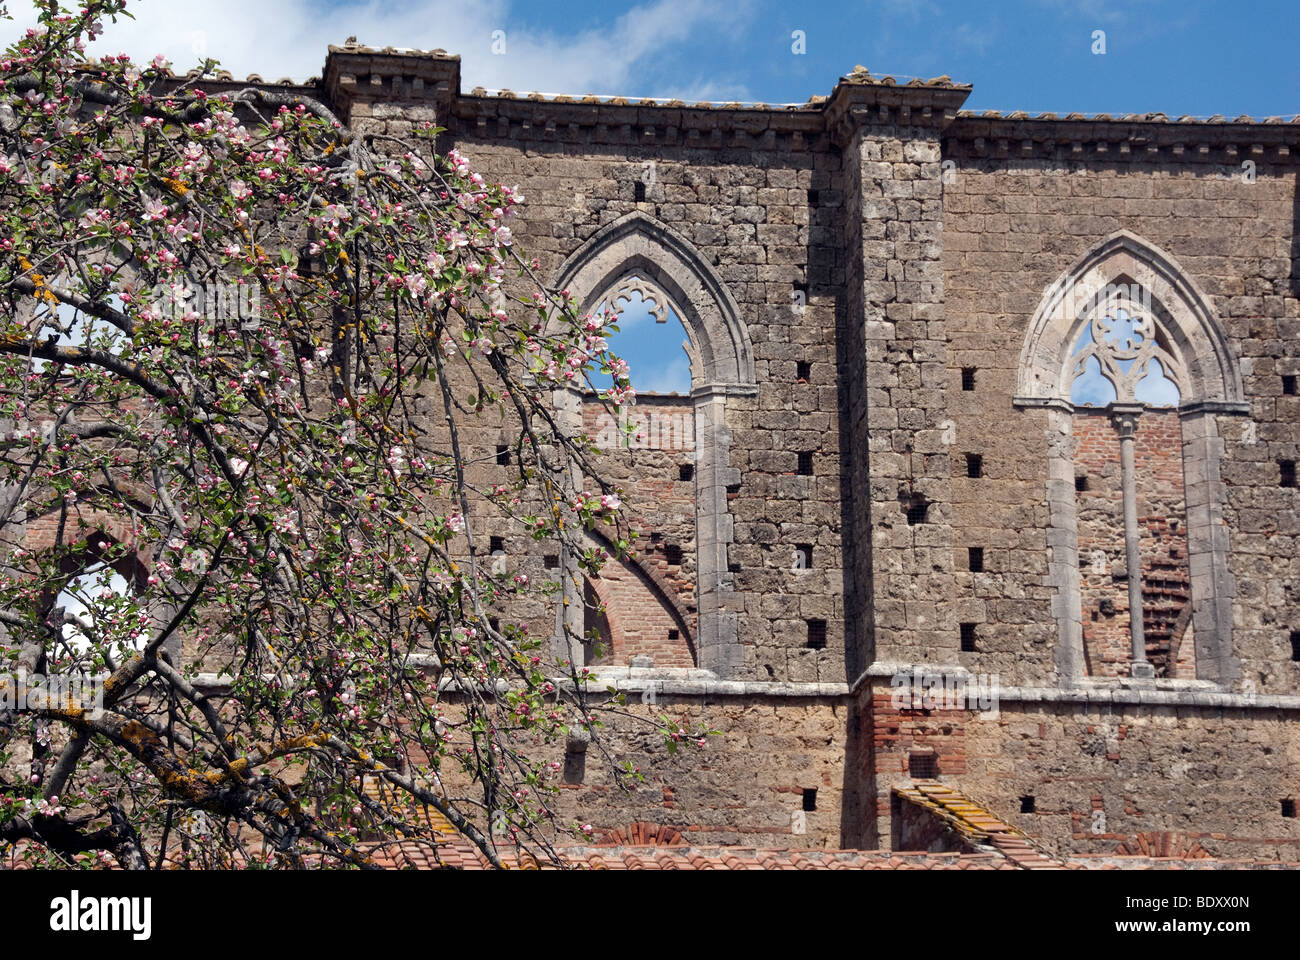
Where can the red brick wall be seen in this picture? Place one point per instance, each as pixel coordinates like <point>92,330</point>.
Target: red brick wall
<point>1162,523</point>
<point>649,597</point>
<point>887,736</point>
<point>636,622</point>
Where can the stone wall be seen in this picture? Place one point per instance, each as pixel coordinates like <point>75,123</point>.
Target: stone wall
<point>863,279</point>
<point>772,774</point>
<point>1023,202</point>
<point>887,258</point>
<point>1101,774</point>
<point>748,214</point>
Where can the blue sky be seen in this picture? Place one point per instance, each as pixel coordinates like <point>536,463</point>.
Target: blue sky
<point>1178,56</point>
<point>655,353</point>
<point>1194,57</point>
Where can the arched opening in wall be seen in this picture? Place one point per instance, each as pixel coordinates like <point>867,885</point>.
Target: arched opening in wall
<point>651,450</point>
<point>670,452</point>
<point>1123,354</point>
<point>598,641</point>
<point>97,609</point>
<point>69,326</point>
<point>1132,368</point>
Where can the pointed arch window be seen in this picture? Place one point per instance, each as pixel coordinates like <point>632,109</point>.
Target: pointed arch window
<point>638,264</point>
<point>1133,368</point>
<point>649,326</point>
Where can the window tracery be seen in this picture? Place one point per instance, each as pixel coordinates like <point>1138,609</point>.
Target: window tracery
<point>1122,356</point>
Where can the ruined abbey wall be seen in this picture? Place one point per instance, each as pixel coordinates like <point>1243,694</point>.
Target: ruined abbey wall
<point>884,473</point>
<point>882,481</point>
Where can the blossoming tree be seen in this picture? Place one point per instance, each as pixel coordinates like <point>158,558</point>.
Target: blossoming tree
<point>243,353</point>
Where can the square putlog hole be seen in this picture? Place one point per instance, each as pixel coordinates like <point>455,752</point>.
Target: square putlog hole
<point>816,635</point>
<point>922,765</point>
<point>1286,473</point>
<point>917,508</point>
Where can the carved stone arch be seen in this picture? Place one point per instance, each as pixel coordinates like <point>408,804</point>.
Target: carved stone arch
<point>1210,386</point>
<point>637,244</point>
<point>1182,309</point>
<point>722,368</point>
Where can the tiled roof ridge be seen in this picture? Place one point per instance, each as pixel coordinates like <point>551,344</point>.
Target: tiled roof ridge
<point>1157,117</point>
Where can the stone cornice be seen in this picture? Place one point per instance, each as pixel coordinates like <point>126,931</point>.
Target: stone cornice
<point>646,123</point>
<point>861,100</point>
<point>1131,138</point>
<point>355,73</point>
<point>358,73</point>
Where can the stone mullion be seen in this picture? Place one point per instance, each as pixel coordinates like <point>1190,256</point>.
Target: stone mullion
<point>1125,417</point>
<point>569,617</point>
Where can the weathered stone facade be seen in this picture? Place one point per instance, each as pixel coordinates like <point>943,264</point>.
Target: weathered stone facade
<point>879,483</point>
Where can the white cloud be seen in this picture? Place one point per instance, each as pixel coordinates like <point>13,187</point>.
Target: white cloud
<point>288,39</point>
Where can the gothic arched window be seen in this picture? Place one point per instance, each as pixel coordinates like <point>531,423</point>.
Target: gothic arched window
<point>655,280</point>
<point>1133,369</point>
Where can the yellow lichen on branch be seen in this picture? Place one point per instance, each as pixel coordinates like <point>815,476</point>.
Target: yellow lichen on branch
<point>41,291</point>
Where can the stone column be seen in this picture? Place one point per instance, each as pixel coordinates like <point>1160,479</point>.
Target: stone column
<point>1213,586</point>
<point>718,638</point>
<point>569,617</point>
<point>1125,417</point>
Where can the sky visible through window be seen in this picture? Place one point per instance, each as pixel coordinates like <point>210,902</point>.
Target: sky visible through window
<point>76,329</point>
<point>80,595</point>
<point>654,352</point>
<point>1092,389</point>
